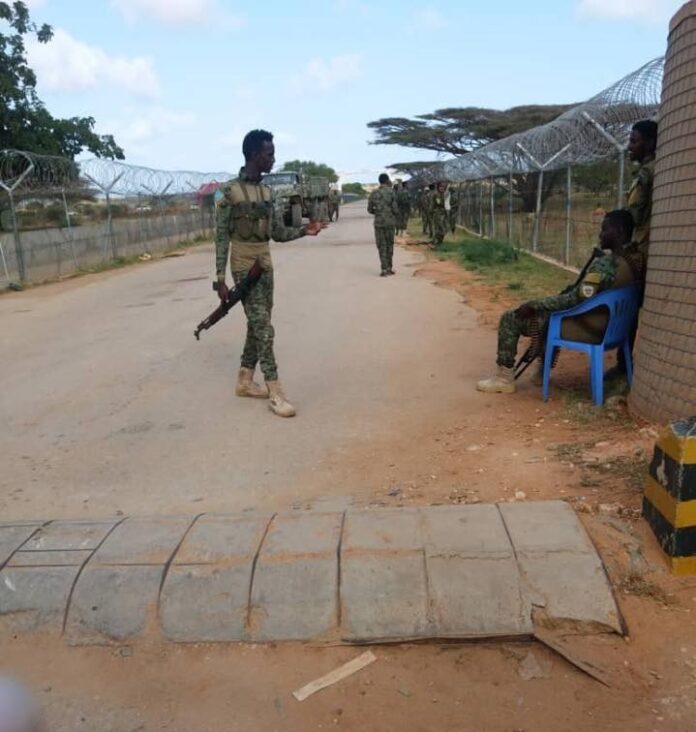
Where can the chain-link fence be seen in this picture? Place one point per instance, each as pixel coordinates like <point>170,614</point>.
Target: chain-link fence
<point>547,189</point>
<point>58,216</point>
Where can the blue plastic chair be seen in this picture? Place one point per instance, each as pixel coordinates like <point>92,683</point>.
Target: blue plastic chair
<point>623,304</point>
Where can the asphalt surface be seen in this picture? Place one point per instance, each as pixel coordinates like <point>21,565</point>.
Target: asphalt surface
<point>109,404</point>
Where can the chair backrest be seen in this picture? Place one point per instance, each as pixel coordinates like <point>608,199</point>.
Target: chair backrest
<point>623,304</point>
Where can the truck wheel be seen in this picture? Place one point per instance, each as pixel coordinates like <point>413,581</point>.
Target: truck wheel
<point>296,212</point>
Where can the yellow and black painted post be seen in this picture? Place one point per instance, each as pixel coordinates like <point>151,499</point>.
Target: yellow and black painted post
<point>669,503</point>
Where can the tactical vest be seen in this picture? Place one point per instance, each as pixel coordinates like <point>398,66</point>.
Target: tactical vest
<point>250,211</point>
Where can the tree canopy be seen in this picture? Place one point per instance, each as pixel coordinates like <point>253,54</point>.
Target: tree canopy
<point>25,123</point>
<point>458,130</point>
<point>354,188</point>
<point>309,167</point>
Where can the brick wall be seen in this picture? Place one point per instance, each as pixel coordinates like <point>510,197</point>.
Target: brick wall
<point>665,370</point>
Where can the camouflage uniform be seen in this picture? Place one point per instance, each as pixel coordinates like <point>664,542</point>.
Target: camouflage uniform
<point>403,200</point>
<point>607,272</point>
<point>439,217</point>
<point>426,208</point>
<point>640,203</point>
<point>454,208</point>
<point>245,221</point>
<point>334,204</point>
<point>382,203</point>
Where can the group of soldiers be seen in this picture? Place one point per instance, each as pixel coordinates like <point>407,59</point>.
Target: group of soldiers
<point>392,206</point>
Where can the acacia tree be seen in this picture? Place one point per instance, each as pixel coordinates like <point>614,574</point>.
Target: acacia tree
<point>25,123</point>
<point>459,130</point>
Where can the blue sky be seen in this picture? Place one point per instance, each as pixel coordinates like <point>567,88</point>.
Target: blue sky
<point>179,82</point>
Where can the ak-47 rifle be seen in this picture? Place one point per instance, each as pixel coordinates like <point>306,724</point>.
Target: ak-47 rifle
<point>235,295</point>
<point>538,337</point>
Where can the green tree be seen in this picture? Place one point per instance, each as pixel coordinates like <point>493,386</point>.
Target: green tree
<point>459,130</point>
<point>310,168</point>
<point>354,188</point>
<point>25,123</point>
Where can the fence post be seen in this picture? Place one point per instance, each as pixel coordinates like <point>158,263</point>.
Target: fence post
<point>480,202</point>
<point>493,229</point>
<point>19,251</point>
<point>69,225</point>
<point>621,150</point>
<point>510,184</point>
<point>106,190</point>
<point>569,204</point>
<point>541,167</point>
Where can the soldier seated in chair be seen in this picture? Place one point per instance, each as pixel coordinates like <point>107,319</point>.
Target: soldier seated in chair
<point>617,267</point>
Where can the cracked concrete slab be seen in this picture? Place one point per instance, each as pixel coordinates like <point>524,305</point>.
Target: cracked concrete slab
<point>325,576</point>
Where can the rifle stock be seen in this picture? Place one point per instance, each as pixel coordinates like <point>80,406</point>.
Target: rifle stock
<point>235,295</point>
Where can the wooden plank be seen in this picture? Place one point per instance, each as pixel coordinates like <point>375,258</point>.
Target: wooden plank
<point>333,677</point>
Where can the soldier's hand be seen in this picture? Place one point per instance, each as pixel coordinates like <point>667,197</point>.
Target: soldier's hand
<point>223,291</point>
<point>313,228</point>
<point>526,310</point>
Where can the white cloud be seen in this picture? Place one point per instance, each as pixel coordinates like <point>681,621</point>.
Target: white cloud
<point>140,127</point>
<point>66,64</point>
<point>428,19</point>
<point>647,11</point>
<point>323,75</point>
<point>177,12</point>
<point>35,4</point>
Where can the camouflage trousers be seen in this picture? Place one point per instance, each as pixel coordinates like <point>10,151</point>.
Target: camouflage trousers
<point>384,238</point>
<point>510,330</point>
<point>402,220</point>
<point>427,223</point>
<point>439,227</point>
<point>258,348</point>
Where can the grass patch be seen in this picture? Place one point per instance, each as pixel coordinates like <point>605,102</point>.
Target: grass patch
<point>499,263</point>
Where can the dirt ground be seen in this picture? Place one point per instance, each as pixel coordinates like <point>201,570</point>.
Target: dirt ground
<point>513,448</point>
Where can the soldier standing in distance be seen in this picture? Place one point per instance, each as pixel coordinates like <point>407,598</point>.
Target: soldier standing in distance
<point>427,210</point>
<point>382,204</point>
<point>403,201</point>
<point>454,207</point>
<point>245,221</point>
<point>439,213</point>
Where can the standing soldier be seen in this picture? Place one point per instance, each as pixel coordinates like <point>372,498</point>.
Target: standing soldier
<point>439,213</point>
<point>641,150</point>
<point>427,210</point>
<point>403,201</point>
<point>334,204</point>
<point>454,207</point>
<point>245,221</point>
<point>382,204</point>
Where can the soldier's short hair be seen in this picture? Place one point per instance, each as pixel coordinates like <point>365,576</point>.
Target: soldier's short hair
<point>647,128</point>
<point>383,178</point>
<point>253,142</point>
<point>622,218</point>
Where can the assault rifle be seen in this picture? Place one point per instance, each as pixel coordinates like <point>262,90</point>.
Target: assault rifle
<point>538,338</point>
<point>235,295</point>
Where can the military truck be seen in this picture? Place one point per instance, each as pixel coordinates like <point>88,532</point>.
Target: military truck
<point>298,195</point>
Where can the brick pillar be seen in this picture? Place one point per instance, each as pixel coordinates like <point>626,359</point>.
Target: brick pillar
<point>664,387</point>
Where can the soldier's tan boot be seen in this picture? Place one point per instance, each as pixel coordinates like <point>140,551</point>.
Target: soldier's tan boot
<point>502,383</point>
<point>247,387</point>
<point>277,402</point>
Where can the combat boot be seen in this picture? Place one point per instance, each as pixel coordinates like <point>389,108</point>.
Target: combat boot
<point>502,383</point>
<point>247,387</point>
<point>278,403</point>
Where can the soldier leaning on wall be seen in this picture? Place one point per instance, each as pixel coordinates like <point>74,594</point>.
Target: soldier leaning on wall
<point>641,150</point>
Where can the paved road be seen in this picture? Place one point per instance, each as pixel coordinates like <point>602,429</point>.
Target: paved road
<point>109,404</point>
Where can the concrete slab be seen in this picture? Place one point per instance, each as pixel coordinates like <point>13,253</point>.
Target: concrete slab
<point>12,538</point>
<point>302,533</point>
<point>467,531</point>
<point>34,598</point>
<point>477,598</point>
<point>545,526</point>
<point>384,597</point>
<point>143,541</point>
<point>570,586</point>
<point>68,535</point>
<point>49,559</point>
<point>113,604</point>
<point>295,600</point>
<point>389,529</point>
<point>205,603</point>
<point>434,572</point>
<point>222,539</point>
